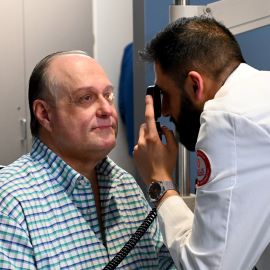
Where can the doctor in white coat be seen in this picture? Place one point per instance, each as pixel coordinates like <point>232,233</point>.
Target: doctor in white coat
<point>221,109</point>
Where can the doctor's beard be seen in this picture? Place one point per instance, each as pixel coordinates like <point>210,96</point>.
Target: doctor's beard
<point>188,123</point>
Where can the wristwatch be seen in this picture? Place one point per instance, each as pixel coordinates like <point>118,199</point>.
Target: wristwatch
<point>157,189</point>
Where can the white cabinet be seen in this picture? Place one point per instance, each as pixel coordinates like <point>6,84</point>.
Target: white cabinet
<point>30,30</point>
<point>12,90</point>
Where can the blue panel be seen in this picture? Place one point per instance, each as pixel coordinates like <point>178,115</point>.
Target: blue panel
<point>255,46</point>
<point>156,18</point>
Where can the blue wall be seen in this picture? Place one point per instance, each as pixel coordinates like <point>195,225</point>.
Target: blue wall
<point>255,46</point>
<point>156,18</point>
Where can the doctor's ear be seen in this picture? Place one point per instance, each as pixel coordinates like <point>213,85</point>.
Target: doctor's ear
<point>194,85</point>
<point>42,113</point>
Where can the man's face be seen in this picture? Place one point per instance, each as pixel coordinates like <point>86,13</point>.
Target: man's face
<point>177,104</point>
<point>84,118</point>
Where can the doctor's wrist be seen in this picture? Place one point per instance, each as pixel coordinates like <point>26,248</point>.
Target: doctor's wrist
<point>167,194</point>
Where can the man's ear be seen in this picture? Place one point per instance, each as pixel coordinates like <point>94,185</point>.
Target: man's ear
<point>194,85</point>
<point>42,113</point>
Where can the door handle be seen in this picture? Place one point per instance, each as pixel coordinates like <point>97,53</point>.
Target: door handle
<point>23,129</point>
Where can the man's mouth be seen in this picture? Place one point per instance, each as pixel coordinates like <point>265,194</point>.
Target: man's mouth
<point>103,127</point>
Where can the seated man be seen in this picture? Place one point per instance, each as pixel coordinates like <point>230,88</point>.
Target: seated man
<point>66,205</point>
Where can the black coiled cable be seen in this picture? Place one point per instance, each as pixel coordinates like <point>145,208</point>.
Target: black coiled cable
<point>118,258</point>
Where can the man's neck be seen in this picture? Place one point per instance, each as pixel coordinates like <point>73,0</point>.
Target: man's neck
<point>83,165</point>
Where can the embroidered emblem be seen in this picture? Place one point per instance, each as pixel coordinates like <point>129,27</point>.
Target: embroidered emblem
<point>203,168</point>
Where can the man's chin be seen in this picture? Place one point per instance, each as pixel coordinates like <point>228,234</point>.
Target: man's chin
<point>108,143</point>
<point>104,148</point>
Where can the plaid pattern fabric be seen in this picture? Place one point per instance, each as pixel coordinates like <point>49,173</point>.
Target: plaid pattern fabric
<point>48,217</point>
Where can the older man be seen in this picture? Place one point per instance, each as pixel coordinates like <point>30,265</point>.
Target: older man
<point>66,205</point>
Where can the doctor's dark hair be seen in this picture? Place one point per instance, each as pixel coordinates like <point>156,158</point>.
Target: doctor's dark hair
<point>42,86</point>
<point>197,43</point>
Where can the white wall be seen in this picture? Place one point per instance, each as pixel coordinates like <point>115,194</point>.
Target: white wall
<point>12,96</point>
<point>113,30</point>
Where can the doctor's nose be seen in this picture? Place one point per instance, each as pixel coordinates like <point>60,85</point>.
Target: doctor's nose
<point>164,108</point>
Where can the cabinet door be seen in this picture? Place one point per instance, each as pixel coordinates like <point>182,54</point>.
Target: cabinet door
<point>12,90</point>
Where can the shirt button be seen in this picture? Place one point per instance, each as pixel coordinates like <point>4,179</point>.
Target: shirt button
<point>81,181</point>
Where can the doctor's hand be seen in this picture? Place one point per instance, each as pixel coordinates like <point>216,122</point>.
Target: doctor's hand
<point>154,159</point>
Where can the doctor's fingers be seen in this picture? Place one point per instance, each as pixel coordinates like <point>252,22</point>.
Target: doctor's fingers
<point>147,136</point>
<point>169,135</point>
<point>142,132</point>
<point>149,114</point>
<point>141,140</point>
<point>170,140</point>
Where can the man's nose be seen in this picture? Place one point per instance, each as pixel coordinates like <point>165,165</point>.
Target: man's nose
<point>105,107</point>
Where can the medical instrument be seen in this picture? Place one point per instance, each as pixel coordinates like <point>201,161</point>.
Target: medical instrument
<point>132,241</point>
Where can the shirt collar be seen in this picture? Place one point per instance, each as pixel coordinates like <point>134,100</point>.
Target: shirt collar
<point>56,168</point>
<point>108,173</point>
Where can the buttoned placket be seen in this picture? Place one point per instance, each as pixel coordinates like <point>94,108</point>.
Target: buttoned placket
<point>82,181</point>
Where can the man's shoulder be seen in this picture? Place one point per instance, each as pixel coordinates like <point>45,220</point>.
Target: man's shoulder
<point>15,167</point>
<point>17,175</point>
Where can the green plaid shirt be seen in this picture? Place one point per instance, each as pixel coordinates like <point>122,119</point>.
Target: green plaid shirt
<point>48,217</point>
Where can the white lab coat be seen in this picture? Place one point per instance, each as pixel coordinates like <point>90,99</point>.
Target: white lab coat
<point>230,228</point>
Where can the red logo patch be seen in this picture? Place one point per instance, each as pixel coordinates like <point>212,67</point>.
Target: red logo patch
<point>203,168</point>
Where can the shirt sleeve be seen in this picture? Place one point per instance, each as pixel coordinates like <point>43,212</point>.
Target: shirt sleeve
<point>164,257</point>
<point>15,247</point>
<point>165,260</point>
<point>199,241</point>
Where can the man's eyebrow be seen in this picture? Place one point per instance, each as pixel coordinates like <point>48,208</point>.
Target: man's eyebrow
<point>87,89</point>
<point>93,89</point>
<point>108,87</point>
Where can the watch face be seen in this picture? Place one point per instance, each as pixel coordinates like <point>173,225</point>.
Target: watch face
<point>154,190</point>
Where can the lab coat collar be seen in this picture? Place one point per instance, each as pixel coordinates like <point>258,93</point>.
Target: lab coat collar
<point>240,73</point>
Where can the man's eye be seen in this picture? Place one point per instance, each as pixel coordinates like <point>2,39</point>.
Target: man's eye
<point>109,96</point>
<point>86,99</point>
